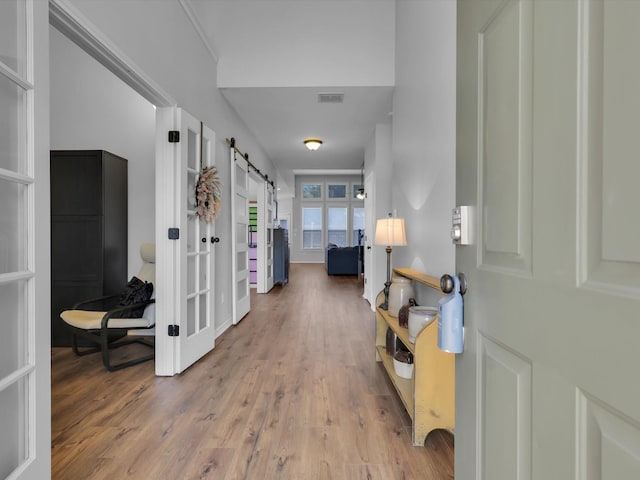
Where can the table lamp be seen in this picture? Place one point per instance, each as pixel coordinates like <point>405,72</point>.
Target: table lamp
<point>390,232</point>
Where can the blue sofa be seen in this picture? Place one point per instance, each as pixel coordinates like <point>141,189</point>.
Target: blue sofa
<point>341,260</point>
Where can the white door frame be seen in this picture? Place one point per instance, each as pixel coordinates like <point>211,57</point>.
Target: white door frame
<point>75,26</point>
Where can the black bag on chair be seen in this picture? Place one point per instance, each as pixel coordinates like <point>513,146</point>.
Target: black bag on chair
<point>136,291</point>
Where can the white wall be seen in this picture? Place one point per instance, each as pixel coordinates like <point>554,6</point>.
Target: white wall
<point>91,109</point>
<point>424,128</point>
<point>346,43</point>
<point>160,40</point>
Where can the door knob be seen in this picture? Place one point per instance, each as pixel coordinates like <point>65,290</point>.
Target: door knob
<point>215,239</point>
<point>368,247</point>
<point>447,283</point>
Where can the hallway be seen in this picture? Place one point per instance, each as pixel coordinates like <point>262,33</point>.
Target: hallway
<point>292,392</point>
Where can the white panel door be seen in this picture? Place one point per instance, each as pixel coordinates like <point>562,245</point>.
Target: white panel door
<point>240,243</point>
<point>25,388</point>
<point>185,260</point>
<point>369,235</point>
<point>547,153</point>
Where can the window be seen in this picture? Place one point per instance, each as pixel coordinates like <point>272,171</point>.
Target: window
<point>311,227</point>
<point>337,226</point>
<point>337,192</point>
<point>356,187</point>
<point>311,191</point>
<point>358,225</point>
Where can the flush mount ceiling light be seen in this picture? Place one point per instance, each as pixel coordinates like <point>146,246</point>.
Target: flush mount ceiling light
<point>313,144</point>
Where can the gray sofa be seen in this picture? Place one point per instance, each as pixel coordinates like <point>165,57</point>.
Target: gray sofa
<point>341,260</point>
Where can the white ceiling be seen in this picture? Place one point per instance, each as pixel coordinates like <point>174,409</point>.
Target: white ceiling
<point>281,118</point>
<point>273,62</point>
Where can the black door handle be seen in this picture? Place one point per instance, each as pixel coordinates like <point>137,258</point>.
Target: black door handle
<point>215,239</point>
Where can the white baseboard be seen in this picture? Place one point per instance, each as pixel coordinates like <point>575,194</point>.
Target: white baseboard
<point>223,328</point>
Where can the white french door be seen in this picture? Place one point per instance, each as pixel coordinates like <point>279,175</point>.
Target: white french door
<point>185,245</point>
<point>25,388</point>
<point>239,168</point>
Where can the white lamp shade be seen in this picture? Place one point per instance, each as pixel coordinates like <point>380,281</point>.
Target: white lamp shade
<point>390,232</point>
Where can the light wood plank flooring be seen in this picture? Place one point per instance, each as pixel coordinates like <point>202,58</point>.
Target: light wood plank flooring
<point>292,392</point>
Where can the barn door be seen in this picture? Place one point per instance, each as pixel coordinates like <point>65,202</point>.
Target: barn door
<point>240,223</point>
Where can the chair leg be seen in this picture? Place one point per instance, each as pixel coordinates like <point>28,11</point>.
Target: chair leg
<point>104,345</point>
<point>106,361</point>
<point>77,351</point>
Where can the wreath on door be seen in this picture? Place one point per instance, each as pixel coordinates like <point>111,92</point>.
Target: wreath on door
<point>208,194</point>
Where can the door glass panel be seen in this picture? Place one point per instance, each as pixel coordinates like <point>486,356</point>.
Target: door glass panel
<point>203,284</point>
<point>241,206</point>
<point>242,289</point>
<point>242,261</point>
<point>13,223</point>
<point>241,177</point>
<point>206,152</point>
<point>191,275</point>
<point>192,233</point>
<point>193,150</point>
<point>13,352</point>
<point>13,124</point>
<point>12,35</point>
<point>192,178</point>
<point>13,424</point>
<point>203,311</point>
<point>191,316</point>
<point>241,233</point>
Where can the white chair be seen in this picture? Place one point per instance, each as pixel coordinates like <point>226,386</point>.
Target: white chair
<point>108,327</point>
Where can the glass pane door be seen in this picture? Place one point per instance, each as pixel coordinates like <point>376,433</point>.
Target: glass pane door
<point>17,358</point>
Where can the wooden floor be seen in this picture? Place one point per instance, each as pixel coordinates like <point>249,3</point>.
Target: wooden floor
<point>292,392</point>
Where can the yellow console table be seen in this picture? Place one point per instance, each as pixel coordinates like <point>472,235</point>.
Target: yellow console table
<point>429,396</point>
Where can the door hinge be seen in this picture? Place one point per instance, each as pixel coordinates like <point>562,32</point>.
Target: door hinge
<point>174,136</point>
<point>174,233</point>
<point>174,330</point>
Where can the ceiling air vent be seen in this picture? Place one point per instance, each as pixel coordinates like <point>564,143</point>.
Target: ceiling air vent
<point>330,97</point>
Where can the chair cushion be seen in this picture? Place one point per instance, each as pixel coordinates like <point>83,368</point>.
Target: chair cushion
<point>87,320</point>
<point>136,291</point>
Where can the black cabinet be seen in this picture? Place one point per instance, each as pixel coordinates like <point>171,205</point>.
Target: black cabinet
<point>88,230</point>
<point>280,256</point>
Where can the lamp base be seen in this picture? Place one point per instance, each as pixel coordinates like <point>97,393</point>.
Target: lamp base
<point>385,305</point>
